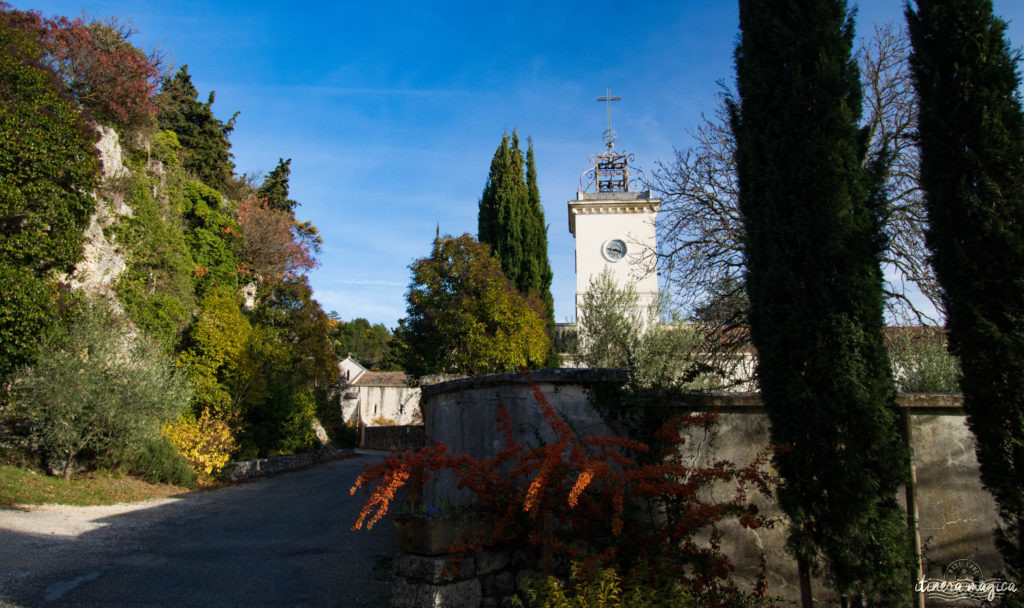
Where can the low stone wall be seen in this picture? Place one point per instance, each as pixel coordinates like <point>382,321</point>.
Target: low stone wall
<point>461,414</point>
<point>251,469</point>
<point>484,580</point>
<point>397,438</point>
<point>956,516</point>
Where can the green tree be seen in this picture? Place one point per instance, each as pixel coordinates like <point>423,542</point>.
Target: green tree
<point>370,345</point>
<point>202,135</point>
<point>275,188</point>
<point>539,268</point>
<point>466,317</point>
<point>813,241</point>
<point>511,221</point>
<point>972,170</point>
<point>48,167</point>
<point>285,371</point>
<point>98,388</point>
<point>614,330</point>
<point>214,347</point>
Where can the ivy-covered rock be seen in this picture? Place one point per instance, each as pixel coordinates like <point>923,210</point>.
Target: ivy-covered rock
<point>48,167</point>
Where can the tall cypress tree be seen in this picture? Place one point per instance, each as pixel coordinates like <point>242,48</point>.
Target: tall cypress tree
<point>971,129</point>
<point>813,244</point>
<point>511,221</point>
<point>537,245</point>
<point>503,206</point>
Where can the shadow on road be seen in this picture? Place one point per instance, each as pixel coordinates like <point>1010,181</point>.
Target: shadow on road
<point>278,541</point>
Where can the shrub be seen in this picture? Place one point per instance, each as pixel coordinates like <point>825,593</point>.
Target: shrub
<point>206,442</point>
<point>97,388</point>
<point>594,500</point>
<point>158,461</point>
<point>604,588</point>
<point>921,362</point>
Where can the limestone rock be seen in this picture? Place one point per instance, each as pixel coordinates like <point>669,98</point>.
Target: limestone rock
<point>111,153</point>
<point>102,261</point>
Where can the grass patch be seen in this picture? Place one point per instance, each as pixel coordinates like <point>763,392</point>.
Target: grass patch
<point>29,486</point>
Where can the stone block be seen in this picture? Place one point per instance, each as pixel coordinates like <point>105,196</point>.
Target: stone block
<point>434,570</point>
<point>498,584</point>
<point>491,561</point>
<point>403,593</point>
<point>464,594</point>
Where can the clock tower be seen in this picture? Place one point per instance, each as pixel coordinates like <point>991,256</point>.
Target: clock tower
<point>612,220</point>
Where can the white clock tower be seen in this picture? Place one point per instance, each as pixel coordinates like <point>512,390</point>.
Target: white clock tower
<point>612,219</point>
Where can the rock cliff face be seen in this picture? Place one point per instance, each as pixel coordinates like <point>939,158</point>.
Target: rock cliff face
<point>102,260</point>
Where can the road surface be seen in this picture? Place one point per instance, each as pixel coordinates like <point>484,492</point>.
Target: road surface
<point>278,541</point>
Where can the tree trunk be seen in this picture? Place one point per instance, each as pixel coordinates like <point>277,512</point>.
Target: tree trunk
<point>67,465</point>
<point>806,600</point>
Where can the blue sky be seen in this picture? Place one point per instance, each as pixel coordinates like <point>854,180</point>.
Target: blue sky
<point>391,111</point>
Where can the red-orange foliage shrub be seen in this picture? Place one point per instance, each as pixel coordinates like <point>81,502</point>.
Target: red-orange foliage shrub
<point>275,245</point>
<point>613,502</point>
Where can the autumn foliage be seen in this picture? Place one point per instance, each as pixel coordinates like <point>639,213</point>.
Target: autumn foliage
<point>604,495</point>
<point>273,245</point>
<point>99,66</point>
<point>206,441</point>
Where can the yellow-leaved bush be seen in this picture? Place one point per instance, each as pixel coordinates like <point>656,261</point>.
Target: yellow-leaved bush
<point>206,442</point>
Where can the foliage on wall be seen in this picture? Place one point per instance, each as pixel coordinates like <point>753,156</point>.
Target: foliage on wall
<point>257,379</point>
<point>48,166</point>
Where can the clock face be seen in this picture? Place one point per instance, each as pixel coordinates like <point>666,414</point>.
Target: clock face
<point>615,250</point>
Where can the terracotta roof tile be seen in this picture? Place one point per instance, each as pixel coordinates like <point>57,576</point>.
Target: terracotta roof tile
<point>383,379</point>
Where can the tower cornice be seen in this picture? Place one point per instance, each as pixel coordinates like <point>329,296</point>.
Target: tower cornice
<point>588,203</point>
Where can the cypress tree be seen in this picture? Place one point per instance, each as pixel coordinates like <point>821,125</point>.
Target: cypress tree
<point>511,221</point>
<point>502,208</point>
<point>971,130</point>
<point>537,246</point>
<point>813,243</point>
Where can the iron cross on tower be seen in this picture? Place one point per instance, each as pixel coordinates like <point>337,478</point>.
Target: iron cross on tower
<point>609,135</point>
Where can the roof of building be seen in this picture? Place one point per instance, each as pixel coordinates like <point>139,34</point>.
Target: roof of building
<point>382,379</point>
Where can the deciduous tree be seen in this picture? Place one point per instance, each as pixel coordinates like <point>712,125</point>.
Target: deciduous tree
<point>813,244</point>
<point>701,227</point>
<point>98,388</point>
<point>272,245</point>
<point>972,171</point>
<point>370,345</point>
<point>104,72</point>
<point>466,317</point>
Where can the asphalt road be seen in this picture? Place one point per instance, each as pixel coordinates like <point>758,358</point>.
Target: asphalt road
<point>279,541</point>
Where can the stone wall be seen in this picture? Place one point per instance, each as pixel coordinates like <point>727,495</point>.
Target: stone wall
<point>251,469</point>
<point>461,414</point>
<point>956,516</point>
<point>484,580</point>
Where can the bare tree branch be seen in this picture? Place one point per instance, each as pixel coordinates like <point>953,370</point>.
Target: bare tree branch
<point>700,229</point>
